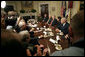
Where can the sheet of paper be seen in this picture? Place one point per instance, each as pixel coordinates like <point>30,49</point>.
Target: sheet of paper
<point>51,40</point>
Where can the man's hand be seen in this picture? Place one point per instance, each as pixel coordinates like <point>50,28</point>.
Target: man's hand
<point>39,53</point>
<point>66,36</point>
<point>45,52</point>
<point>57,30</point>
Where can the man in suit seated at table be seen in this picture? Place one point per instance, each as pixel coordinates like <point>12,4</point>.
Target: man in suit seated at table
<point>49,20</point>
<point>54,21</point>
<point>45,19</point>
<point>77,49</point>
<point>58,21</point>
<point>63,27</point>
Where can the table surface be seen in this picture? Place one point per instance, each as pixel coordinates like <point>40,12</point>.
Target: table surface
<point>45,41</point>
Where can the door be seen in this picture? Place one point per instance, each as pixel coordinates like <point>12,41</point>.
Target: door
<point>44,9</point>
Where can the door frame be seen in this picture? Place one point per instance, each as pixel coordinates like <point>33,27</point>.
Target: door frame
<point>40,7</point>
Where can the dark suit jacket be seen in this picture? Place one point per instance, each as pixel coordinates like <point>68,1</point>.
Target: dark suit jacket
<point>54,22</point>
<point>49,21</point>
<point>65,28</point>
<point>40,19</point>
<point>10,22</point>
<point>58,24</point>
<point>45,19</point>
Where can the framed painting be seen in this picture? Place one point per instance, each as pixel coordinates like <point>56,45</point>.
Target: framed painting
<point>27,4</point>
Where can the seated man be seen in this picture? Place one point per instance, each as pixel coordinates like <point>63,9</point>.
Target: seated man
<point>77,49</point>
<point>50,19</point>
<point>63,26</point>
<point>54,22</point>
<point>59,18</point>
<point>58,21</point>
<point>45,19</point>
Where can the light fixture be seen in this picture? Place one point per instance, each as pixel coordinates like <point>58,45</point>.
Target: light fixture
<point>3,4</point>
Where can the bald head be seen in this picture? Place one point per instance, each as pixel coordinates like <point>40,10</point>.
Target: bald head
<point>11,13</point>
<point>49,16</point>
<point>63,20</point>
<point>53,17</point>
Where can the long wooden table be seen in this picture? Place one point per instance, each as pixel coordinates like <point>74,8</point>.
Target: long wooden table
<point>47,43</point>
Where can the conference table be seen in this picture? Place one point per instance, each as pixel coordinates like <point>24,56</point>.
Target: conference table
<point>45,40</point>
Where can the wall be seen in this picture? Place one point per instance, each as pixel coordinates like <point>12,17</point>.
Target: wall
<point>75,9</point>
<point>16,4</point>
<point>55,4</point>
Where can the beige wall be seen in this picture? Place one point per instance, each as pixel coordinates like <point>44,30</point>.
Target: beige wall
<point>16,4</point>
<point>55,4</point>
<point>75,9</point>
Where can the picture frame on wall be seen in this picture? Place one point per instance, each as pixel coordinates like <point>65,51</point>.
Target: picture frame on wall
<point>53,8</point>
<point>27,4</point>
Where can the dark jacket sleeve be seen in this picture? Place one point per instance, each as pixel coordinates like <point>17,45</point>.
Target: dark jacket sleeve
<point>64,29</point>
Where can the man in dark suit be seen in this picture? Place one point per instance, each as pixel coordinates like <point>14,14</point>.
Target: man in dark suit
<point>54,21</point>
<point>77,49</point>
<point>50,19</point>
<point>58,21</point>
<point>63,27</point>
<point>45,19</point>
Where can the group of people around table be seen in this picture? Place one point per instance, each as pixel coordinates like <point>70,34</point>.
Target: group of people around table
<point>17,39</point>
<point>60,24</point>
